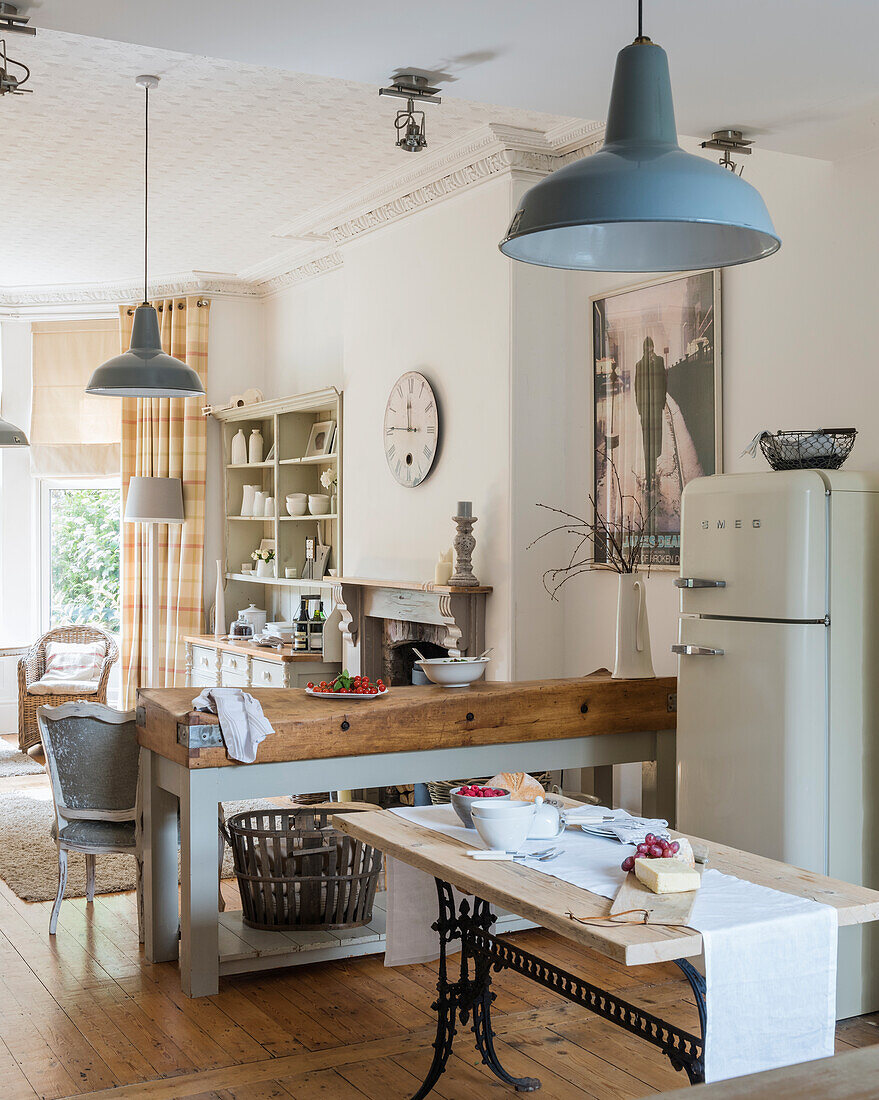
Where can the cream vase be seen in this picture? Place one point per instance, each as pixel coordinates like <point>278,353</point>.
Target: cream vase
<point>632,660</point>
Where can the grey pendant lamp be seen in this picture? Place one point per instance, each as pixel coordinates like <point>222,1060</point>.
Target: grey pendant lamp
<point>10,436</point>
<point>641,203</point>
<point>145,370</point>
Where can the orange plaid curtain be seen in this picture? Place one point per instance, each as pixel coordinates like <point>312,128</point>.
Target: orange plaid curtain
<point>165,437</point>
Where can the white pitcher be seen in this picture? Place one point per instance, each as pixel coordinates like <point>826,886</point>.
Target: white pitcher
<point>247,499</point>
<point>633,660</point>
<point>259,503</point>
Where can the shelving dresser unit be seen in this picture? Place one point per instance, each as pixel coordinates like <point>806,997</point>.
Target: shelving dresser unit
<point>285,424</point>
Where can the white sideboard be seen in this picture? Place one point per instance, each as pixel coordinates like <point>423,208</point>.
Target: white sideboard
<point>211,662</point>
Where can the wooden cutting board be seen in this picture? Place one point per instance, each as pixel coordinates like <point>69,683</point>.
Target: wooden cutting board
<point>661,908</point>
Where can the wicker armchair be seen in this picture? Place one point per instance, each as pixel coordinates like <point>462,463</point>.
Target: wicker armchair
<point>32,666</point>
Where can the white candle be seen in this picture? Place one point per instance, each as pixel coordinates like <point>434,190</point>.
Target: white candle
<point>465,508</point>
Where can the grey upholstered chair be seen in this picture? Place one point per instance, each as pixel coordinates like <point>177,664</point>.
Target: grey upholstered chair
<point>92,758</point>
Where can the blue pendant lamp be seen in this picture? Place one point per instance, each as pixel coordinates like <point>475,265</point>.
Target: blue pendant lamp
<point>641,203</point>
<point>145,370</point>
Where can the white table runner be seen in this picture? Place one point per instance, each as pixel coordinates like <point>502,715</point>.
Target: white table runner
<point>769,958</point>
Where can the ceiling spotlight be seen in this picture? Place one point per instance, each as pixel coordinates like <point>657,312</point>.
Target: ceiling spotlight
<point>11,21</point>
<point>409,123</point>
<point>729,141</point>
<point>9,82</point>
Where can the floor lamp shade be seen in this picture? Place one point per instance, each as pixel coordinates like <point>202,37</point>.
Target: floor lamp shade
<point>145,370</point>
<point>10,436</point>
<point>154,500</point>
<point>641,203</point>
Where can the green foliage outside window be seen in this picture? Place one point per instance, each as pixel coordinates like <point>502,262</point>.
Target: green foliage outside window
<point>85,557</point>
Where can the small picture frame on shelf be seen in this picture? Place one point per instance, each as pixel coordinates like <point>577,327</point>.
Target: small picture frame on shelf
<point>320,441</point>
<point>270,457</point>
<point>266,544</point>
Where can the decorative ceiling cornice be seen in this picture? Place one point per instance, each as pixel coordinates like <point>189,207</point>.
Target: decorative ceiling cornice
<point>217,285</point>
<point>491,151</point>
<point>310,269</point>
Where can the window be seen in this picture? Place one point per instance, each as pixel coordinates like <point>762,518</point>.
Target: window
<point>81,550</point>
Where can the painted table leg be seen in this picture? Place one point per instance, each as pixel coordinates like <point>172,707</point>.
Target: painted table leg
<point>161,920</point>
<point>199,882</point>
<point>666,776</point>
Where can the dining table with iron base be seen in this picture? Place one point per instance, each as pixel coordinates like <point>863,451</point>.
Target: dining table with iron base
<point>468,997</point>
<point>464,995</point>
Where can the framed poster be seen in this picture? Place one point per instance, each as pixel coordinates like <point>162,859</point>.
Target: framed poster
<point>656,406</point>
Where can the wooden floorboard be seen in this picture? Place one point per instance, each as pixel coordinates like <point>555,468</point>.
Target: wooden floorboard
<point>83,1014</point>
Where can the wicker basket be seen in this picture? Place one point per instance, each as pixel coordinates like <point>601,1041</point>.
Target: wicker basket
<point>295,871</point>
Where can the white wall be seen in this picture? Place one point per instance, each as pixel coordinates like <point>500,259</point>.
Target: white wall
<point>236,362</point>
<point>432,294</point>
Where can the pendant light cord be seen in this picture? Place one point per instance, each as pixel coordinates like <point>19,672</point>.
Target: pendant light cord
<point>640,18</point>
<point>146,186</point>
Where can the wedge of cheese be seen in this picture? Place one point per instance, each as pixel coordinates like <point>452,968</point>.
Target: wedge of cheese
<point>667,876</point>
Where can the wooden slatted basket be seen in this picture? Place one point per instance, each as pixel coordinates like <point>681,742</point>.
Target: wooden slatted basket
<point>295,871</point>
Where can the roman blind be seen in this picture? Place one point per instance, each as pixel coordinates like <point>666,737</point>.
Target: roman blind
<point>73,434</point>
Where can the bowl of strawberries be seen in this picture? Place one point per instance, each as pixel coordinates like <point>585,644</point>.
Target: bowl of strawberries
<point>462,799</point>
<point>348,686</point>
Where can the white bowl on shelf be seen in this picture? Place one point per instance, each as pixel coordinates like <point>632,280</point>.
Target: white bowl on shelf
<point>319,504</point>
<point>454,671</point>
<point>297,504</point>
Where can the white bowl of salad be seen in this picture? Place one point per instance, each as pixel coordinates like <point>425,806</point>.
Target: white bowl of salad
<point>454,672</point>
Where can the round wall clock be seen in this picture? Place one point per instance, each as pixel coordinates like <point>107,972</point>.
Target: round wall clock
<point>411,429</point>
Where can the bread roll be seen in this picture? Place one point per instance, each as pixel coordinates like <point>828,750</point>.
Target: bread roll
<point>522,786</point>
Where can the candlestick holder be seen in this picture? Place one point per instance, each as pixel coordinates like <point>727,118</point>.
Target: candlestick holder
<point>464,544</point>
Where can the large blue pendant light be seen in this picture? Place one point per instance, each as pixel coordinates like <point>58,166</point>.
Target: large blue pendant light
<point>641,203</point>
<point>145,370</point>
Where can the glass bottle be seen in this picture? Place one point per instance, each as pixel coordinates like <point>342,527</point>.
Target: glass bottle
<point>300,633</point>
<point>316,632</point>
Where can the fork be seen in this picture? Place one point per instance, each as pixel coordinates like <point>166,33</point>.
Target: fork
<point>539,856</point>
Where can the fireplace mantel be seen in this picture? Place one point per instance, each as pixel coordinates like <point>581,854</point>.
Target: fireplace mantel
<point>364,604</point>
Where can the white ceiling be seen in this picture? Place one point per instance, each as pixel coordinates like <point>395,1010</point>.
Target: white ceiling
<point>237,153</point>
<point>245,143</point>
<point>801,74</point>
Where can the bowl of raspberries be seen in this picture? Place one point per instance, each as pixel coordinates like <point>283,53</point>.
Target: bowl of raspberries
<point>462,799</point>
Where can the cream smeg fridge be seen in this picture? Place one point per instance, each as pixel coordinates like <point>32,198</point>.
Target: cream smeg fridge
<point>778,692</point>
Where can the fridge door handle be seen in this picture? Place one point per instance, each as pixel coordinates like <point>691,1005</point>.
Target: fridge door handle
<point>697,582</point>
<point>696,651</point>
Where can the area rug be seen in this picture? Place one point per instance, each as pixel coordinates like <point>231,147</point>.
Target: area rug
<point>29,860</point>
<point>13,762</point>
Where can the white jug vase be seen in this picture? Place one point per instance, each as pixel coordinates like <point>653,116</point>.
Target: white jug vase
<point>632,660</point>
<point>239,448</point>
<point>247,499</point>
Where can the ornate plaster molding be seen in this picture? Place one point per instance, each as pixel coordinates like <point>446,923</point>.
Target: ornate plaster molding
<point>310,269</point>
<point>170,286</point>
<point>489,152</point>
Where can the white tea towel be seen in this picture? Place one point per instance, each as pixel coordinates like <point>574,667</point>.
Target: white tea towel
<point>242,722</point>
<point>769,957</point>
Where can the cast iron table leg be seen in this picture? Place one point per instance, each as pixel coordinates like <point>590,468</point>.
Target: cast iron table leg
<point>471,993</point>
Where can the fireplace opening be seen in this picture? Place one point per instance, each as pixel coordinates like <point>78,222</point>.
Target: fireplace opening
<point>401,661</point>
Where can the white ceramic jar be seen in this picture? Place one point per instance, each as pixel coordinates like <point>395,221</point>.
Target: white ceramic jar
<point>254,452</point>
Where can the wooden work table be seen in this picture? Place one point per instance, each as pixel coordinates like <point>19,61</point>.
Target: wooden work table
<point>413,735</point>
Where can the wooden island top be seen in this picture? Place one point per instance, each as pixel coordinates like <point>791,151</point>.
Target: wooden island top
<point>412,719</point>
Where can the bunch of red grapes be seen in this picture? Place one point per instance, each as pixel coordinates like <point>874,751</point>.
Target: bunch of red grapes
<point>652,847</point>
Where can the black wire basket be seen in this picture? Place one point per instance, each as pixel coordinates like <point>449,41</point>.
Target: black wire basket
<point>822,449</point>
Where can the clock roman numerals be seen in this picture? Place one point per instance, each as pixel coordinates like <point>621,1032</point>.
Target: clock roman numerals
<point>412,424</point>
